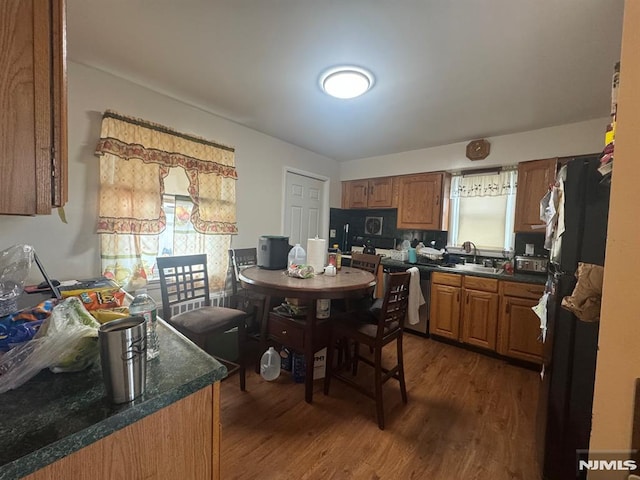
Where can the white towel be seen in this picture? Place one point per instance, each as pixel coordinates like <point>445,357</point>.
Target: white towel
<point>415,296</point>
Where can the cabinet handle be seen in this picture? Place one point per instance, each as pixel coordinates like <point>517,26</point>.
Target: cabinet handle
<point>437,200</point>
<point>507,308</point>
<point>458,297</point>
<point>467,299</point>
<point>284,332</point>
<point>371,190</point>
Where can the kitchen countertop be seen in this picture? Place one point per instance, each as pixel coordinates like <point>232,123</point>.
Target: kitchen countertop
<point>516,277</point>
<point>54,415</point>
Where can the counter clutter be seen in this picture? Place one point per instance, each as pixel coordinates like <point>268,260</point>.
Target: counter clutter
<point>54,415</point>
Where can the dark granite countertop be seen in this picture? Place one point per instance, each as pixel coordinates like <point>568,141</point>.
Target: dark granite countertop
<point>516,277</point>
<point>53,415</point>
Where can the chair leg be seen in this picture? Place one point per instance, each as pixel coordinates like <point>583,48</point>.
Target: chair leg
<point>329,365</point>
<point>242,340</point>
<point>378,387</point>
<point>354,360</point>
<point>403,386</point>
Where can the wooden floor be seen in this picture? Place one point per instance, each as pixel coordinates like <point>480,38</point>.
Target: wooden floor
<point>469,416</point>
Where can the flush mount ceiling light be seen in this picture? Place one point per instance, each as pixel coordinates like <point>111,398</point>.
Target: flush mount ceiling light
<point>346,81</point>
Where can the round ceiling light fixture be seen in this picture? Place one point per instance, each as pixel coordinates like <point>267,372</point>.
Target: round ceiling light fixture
<point>346,81</point>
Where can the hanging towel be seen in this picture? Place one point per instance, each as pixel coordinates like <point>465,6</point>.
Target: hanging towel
<point>415,296</point>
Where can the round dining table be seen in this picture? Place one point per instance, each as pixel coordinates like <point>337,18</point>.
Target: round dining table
<point>347,283</point>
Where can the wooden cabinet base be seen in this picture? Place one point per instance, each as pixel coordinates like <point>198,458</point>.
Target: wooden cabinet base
<point>179,441</point>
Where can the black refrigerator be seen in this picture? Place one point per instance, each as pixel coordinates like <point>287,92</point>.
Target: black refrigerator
<point>571,345</point>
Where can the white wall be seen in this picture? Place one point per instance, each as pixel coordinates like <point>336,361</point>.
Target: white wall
<point>72,250</point>
<point>565,140</point>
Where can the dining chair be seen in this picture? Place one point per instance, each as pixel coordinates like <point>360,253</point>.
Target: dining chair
<point>186,305</point>
<point>376,329</point>
<point>251,302</point>
<point>365,261</point>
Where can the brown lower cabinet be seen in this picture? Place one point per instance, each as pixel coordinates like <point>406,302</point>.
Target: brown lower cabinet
<point>519,333</point>
<point>487,313</point>
<point>180,441</point>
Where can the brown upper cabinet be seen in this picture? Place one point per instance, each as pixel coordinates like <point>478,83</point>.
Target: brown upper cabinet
<point>423,202</point>
<point>534,178</point>
<point>33,117</point>
<point>370,193</point>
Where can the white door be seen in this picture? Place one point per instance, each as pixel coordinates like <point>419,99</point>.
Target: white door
<point>303,208</point>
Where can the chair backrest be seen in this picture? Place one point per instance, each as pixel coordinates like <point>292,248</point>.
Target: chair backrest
<point>240,258</point>
<point>395,304</point>
<point>183,280</point>
<point>365,261</point>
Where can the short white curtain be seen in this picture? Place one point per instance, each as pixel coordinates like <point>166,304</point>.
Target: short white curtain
<point>492,185</point>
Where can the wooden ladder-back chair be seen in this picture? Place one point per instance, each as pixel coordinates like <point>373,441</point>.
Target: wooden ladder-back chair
<point>365,261</point>
<point>186,305</point>
<point>376,329</point>
<point>251,302</point>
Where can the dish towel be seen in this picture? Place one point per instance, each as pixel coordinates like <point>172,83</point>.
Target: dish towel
<point>415,296</point>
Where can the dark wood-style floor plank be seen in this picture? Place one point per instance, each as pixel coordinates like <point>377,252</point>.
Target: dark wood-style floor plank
<point>469,416</point>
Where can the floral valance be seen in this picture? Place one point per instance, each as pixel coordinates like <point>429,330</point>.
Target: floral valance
<point>135,157</point>
<point>492,185</point>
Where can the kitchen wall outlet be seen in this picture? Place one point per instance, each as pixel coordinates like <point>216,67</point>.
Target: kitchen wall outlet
<point>529,249</point>
<point>332,233</point>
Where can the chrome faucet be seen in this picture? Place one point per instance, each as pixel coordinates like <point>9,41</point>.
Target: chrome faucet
<point>467,248</point>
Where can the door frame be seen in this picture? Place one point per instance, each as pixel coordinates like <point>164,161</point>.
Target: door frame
<point>325,200</point>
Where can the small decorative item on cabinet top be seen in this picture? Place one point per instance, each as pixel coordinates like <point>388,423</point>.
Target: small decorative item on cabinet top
<point>478,149</point>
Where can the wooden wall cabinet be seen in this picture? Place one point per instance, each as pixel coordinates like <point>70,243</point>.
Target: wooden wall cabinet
<point>179,441</point>
<point>534,178</point>
<point>370,193</point>
<point>519,326</point>
<point>423,202</point>
<point>33,117</point>
<point>480,311</point>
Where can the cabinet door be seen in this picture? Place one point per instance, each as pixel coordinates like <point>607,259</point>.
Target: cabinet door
<point>422,203</point>
<point>534,179</point>
<point>519,330</point>
<point>380,193</point>
<point>357,193</point>
<point>480,318</point>
<point>33,114</point>
<point>444,314</point>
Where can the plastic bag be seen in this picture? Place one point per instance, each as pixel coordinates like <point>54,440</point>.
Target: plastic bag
<point>15,263</point>
<point>66,342</point>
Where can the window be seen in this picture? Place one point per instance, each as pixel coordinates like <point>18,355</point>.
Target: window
<point>483,209</point>
<point>142,214</point>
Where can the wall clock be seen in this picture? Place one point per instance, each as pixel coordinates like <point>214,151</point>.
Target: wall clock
<point>478,149</point>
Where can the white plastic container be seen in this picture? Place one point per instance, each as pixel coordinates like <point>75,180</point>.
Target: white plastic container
<point>143,305</point>
<point>297,256</point>
<point>270,364</point>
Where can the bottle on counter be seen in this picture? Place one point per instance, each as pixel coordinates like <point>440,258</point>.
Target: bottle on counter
<point>338,256</point>
<point>332,257</point>
<point>144,306</point>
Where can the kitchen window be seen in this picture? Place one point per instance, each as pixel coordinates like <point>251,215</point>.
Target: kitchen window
<point>483,209</point>
<point>138,160</point>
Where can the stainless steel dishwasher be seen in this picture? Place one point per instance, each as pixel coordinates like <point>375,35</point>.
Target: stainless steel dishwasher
<point>422,327</point>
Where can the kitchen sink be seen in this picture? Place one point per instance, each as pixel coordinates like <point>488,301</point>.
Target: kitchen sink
<point>473,267</point>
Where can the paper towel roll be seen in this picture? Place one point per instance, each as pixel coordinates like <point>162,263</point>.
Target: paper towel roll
<point>317,253</point>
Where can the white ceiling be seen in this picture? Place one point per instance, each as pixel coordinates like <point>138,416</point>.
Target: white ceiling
<point>446,70</point>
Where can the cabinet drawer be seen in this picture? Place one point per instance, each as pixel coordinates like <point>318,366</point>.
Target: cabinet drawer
<point>522,290</point>
<point>481,283</point>
<point>286,331</point>
<point>450,279</point>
